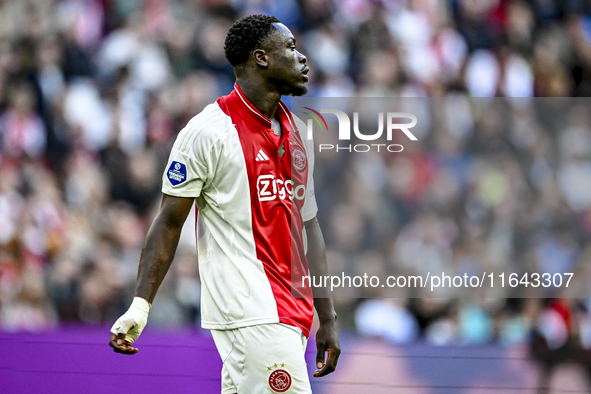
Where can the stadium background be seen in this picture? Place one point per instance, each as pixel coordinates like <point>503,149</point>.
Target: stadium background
<point>92,94</point>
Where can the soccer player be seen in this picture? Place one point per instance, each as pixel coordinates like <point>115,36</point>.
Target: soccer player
<point>244,164</point>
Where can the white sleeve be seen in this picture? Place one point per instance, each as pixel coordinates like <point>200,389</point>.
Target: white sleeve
<point>188,164</point>
<point>309,209</point>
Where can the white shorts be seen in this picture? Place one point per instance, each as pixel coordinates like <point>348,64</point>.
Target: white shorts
<point>266,358</point>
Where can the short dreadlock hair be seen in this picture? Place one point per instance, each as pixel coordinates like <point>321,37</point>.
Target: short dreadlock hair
<point>246,35</point>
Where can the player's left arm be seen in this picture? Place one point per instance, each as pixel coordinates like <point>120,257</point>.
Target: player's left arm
<point>327,337</point>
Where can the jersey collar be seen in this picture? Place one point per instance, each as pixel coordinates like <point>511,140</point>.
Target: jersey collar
<point>246,110</point>
<point>237,103</point>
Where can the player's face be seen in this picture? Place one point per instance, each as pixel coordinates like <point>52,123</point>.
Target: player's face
<point>287,68</point>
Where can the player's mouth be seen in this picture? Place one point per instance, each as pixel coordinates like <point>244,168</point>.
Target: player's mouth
<point>305,71</point>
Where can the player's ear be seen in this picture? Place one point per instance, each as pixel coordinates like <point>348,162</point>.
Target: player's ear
<point>261,57</point>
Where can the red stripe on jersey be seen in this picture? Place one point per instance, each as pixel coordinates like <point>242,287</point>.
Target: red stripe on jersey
<point>277,194</point>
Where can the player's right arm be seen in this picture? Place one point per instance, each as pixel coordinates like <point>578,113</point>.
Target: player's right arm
<point>189,165</point>
<point>157,255</point>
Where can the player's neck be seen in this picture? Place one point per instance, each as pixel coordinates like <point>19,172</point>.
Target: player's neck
<point>263,99</point>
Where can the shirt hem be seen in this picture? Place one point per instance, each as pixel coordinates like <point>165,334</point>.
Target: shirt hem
<point>254,322</point>
<point>238,324</point>
<point>180,193</point>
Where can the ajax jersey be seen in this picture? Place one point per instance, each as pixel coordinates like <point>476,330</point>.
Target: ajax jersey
<point>253,190</point>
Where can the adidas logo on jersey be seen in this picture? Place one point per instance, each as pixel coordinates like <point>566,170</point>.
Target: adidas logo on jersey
<point>261,156</point>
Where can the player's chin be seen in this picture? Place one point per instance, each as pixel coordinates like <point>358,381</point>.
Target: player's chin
<point>299,90</point>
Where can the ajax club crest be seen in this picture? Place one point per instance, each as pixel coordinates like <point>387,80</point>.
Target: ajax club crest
<point>299,159</point>
<point>280,380</point>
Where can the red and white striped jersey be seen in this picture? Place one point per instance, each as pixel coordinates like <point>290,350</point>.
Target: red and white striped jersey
<point>254,190</point>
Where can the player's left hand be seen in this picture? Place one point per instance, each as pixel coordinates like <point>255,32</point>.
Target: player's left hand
<point>327,341</point>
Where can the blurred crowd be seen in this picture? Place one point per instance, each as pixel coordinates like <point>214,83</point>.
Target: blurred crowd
<point>93,93</point>
<point>495,185</point>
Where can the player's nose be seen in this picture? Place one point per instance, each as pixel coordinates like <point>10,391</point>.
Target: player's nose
<point>301,58</point>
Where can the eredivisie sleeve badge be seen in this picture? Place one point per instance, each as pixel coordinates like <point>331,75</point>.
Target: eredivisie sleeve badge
<point>177,173</point>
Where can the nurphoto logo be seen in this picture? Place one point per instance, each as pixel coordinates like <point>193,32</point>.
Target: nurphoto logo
<point>393,124</point>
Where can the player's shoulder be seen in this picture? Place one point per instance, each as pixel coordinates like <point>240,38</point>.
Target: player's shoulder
<point>302,129</point>
<point>209,122</point>
<point>299,124</point>
<point>207,127</point>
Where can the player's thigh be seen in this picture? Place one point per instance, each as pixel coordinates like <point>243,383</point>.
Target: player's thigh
<point>274,360</point>
<point>232,358</point>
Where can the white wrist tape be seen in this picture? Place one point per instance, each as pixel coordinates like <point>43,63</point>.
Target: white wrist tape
<point>133,321</point>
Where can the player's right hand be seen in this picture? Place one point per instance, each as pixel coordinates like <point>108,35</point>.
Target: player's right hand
<point>120,345</point>
<point>129,326</point>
